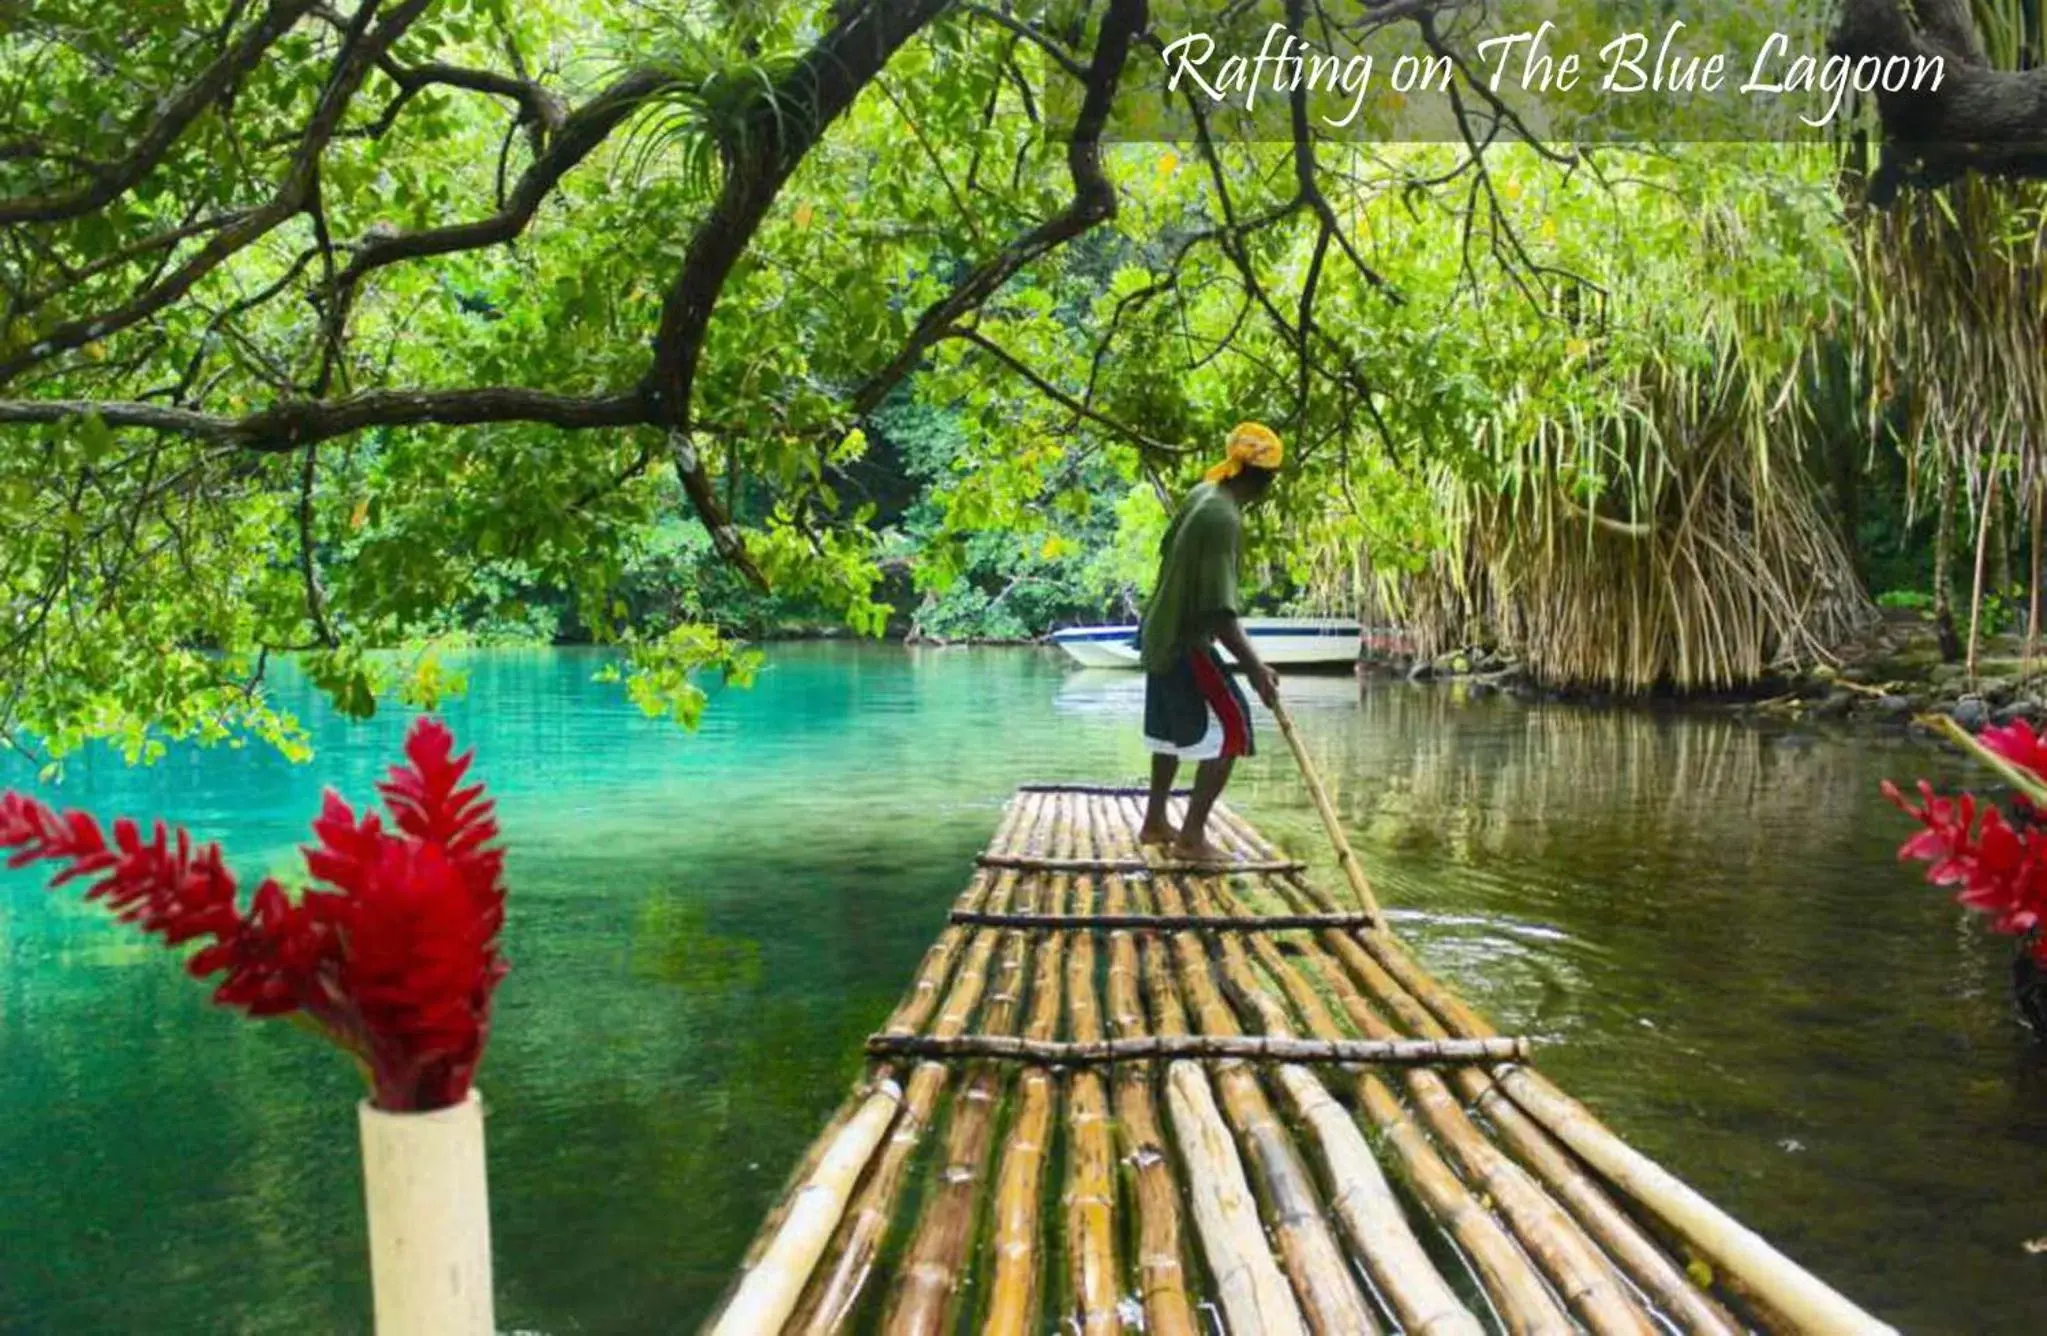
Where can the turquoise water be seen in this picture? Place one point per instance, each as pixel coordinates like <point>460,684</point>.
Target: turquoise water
<point>1705,919</point>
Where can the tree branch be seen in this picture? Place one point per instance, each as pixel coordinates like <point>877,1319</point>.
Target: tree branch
<point>1061,397</point>
<point>358,54</point>
<point>1980,119</point>
<point>537,106</point>
<point>113,180</point>
<point>293,424</point>
<point>578,135</point>
<point>1060,55</point>
<point>1093,202</point>
<point>778,129</point>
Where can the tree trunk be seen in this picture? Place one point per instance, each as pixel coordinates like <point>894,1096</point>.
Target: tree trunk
<point>2033,589</point>
<point>1943,560</point>
<point>2001,583</point>
<point>1989,509</point>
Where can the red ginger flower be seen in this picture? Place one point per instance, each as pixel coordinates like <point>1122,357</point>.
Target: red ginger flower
<point>396,961</point>
<point>2001,869</point>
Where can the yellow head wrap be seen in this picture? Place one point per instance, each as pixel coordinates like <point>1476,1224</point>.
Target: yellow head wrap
<point>1251,443</point>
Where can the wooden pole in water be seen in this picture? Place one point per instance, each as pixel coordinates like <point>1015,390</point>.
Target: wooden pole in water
<point>1353,872</point>
<point>800,1230</point>
<point>842,1275</point>
<point>1162,1279</point>
<point>922,1298</point>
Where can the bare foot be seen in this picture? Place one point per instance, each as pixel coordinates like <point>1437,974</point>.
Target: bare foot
<point>1156,833</point>
<point>1199,851</point>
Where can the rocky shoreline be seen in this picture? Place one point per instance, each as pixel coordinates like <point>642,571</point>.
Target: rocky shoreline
<point>1892,677</point>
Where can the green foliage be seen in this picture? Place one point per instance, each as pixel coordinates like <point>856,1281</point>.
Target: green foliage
<point>660,675</point>
<point>1499,344</point>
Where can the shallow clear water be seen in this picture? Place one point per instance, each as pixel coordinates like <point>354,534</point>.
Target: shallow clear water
<point>1706,920</point>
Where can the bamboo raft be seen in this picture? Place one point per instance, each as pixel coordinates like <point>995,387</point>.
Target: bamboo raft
<point>1279,1123</point>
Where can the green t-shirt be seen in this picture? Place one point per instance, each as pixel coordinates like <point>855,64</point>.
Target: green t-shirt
<point>1197,576</point>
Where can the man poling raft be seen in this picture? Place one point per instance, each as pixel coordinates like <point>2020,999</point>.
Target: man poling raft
<point>1193,710</point>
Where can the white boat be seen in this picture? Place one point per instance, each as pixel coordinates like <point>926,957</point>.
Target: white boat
<point>1283,642</point>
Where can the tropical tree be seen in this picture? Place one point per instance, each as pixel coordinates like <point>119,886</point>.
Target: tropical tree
<point>1953,313</point>
<point>322,320</point>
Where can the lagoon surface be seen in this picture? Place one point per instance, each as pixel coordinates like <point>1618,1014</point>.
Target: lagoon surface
<point>1704,918</point>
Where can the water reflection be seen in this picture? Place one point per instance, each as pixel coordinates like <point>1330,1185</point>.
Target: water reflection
<point>1705,918</point>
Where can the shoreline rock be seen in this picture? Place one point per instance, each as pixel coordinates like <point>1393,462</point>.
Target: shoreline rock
<point>1890,679</point>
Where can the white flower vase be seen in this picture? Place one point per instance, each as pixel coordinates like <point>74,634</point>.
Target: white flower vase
<point>429,1210</point>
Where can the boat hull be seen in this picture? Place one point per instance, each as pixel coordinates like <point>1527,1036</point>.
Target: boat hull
<point>1282,642</point>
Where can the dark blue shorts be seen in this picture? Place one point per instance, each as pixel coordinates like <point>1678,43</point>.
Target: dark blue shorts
<point>1195,710</point>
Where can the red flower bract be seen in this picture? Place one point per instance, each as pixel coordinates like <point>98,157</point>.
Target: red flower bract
<point>2018,743</point>
<point>395,960</point>
<point>2001,869</point>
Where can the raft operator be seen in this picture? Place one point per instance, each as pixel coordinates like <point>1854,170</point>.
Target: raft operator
<point>1193,709</point>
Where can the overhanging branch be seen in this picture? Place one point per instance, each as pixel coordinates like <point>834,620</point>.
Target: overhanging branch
<point>1093,202</point>
<point>1980,119</point>
<point>292,425</point>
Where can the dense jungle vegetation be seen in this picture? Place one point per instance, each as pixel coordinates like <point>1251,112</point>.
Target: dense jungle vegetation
<point>396,325</point>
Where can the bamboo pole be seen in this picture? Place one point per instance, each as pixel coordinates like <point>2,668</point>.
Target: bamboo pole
<point>768,1293</point>
<point>1644,1259</point>
<point>1361,1199</point>
<point>428,1212</point>
<point>1162,1280</point>
<point>1346,858</point>
<point>931,975</point>
<point>921,1299</point>
<point>1043,1053</point>
<point>772,1292</point>
<point>1748,1262</point>
<point>842,1276</point>
<point>1639,1256</point>
<point>1027,864</point>
<point>1096,790</point>
<point>1015,1293</point>
<point>1249,1286</point>
<point>1331,1301</point>
<point>1582,1275</point>
<point>1520,1296</point>
<point>1088,1204</point>
<point>1579,1272</point>
<point>1163,922</point>
<point>1789,1289</point>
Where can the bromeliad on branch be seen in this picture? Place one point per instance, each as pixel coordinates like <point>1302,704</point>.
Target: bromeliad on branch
<point>395,960</point>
